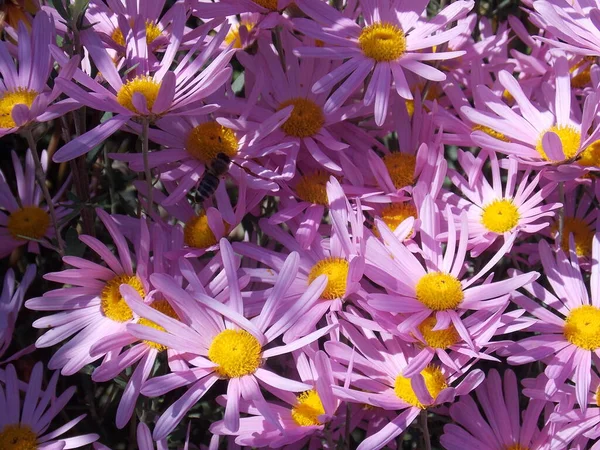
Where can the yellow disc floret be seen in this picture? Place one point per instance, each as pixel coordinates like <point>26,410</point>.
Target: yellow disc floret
<point>439,291</point>
<point>517,446</point>
<point>197,233</point>
<point>113,304</point>
<point>163,307</point>
<point>382,41</point>
<point>9,100</point>
<point>491,132</point>
<point>583,234</point>
<point>209,139</point>
<point>139,85</point>
<point>268,4</point>
<point>438,338</point>
<point>308,409</point>
<point>313,188</point>
<point>435,381</point>
<point>582,327</point>
<point>500,216</point>
<point>152,33</point>
<point>590,157</point>
<point>29,222</point>
<point>234,34</point>
<point>396,213</point>
<point>401,167</point>
<point>236,352</point>
<point>569,137</point>
<point>18,437</point>
<point>336,270</point>
<point>306,119</point>
<point>598,395</point>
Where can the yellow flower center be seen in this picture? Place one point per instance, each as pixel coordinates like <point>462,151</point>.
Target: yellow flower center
<point>197,233</point>
<point>582,327</point>
<point>434,381</point>
<point>308,409</point>
<point>569,137</point>
<point>336,270</point>
<point>9,99</point>
<point>209,139</point>
<point>236,352</point>
<point>163,307</point>
<point>517,446</point>
<point>29,222</point>
<point>312,188</point>
<point>18,437</point>
<point>598,395</point>
<point>306,119</point>
<point>234,34</point>
<point>268,4</point>
<point>152,32</point>
<point>396,213</point>
<point>382,41</point>
<point>143,85</point>
<point>500,216</point>
<point>439,338</point>
<point>590,157</point>
<point>508,97</point>
<point>491,132</point>
<point>401,167</point>
<point>439,291</point>
<point>582,79</point>
<point>582,233</point>
<point>113,304</point>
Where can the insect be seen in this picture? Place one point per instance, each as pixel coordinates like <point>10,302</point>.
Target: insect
<point>211,178</point>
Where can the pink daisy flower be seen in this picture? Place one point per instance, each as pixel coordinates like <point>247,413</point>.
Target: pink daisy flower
<point>376,367</point>
<point>494,210</point>
<point>92,308</point>
<point>25,425</point>
<point>11,301</point>
<point>148,93</point>
<point>23,218</point>
<point>557,139</point>
<point>304,417</point>
<point>568,325</point>
<point>339,257</point>
<point>386,45</point>
<point>220,343</point>
<point>25,97</point>
<point>437,289</point>
<point>503,426</point>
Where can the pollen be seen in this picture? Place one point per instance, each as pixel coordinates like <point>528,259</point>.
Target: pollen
<point>382,41</point>
<point>396,213</point>
<point>312,188</point>
<point>439,338</point>
<point>582,327</point>
<point>336,270</point>
<point>590,157</point>
<point>491,132</point>
<point>163,307</point>
<point>439,291</point>
<point>152,33</point>
<point>517,446</point>
<point>141,84</point>
<point>582,233</point>
<point>29,222</point>
<point>236,352</point>
<point>197,233</point>
<point>500,216</point>
<point>234,34</point>
<point>113,304</point>
<point>209,139</point>
<point>569,137</point>
<point>268,4</point>
<point>401,167</point>
<point>308,409</point>
<point>306,119</point>
<point>8,101</point>
<point>582,79</point>
<point>435,381</point>
<point>18,437</point>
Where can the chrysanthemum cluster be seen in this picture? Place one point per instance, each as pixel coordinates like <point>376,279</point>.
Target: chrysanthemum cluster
<point>263,223</point>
